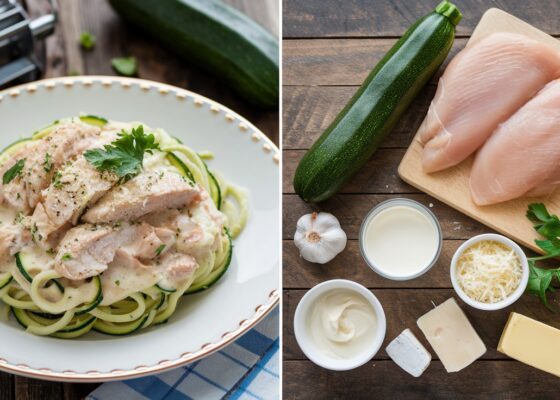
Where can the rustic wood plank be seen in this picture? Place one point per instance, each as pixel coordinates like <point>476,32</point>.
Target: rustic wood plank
<point>32,389</point>
<point>499,380</point>
<point>350,209</point>
<point>73,391</point>
<point>382,18</point>
<point>7,386</point>
<point>341,62</point>
<point>404,306</point>
<point>374,177</point>
<point>308,111</point>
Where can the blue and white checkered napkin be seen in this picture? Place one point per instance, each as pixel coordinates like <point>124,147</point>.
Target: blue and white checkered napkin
<point>246,369</point>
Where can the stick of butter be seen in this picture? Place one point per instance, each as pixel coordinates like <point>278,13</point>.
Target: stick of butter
<point>452,336</point>
<point>532,343</point>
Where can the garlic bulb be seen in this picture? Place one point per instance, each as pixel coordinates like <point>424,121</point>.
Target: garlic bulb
<point>319,237</point>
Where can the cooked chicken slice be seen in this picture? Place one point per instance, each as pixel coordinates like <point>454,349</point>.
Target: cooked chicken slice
<point>147,192</point>
<point>13,236</point>
<point>76,186</point>
<point>178,266</point>
<point>42,159</point>
<point>150,242</point>
<point>86,249</point>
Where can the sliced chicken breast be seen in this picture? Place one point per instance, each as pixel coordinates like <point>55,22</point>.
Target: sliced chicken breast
<point>145,193</point>
<point>86,250</point>
<point>42,159</point>
<point>523,156</point>
<point>76,186</point>
<point>482,86</point>
<point>13,237</point>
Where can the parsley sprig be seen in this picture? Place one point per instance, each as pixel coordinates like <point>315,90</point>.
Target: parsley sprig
<point>548,226</point>
<point>124,156</point>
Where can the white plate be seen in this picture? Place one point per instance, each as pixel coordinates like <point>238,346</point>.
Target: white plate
<point>203,322</point>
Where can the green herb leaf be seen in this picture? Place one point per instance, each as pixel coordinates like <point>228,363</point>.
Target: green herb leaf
<point>160,249</point>
<point>47,164</point>
<point>56,180</point>
<point>16,169</point>
<point>87,40</point>
<point>66,257</point>
<point>124,156</point>
<point>537,212</point>
<point>126,66</point>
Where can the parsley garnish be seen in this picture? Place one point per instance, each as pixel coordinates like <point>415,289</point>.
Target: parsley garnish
<point>160,249</point>
<point>16,169</point>
<point>87,40</point>
<point>66,257</point>
<point>47,164</point>
<point>124,156</point>
<point>56,180</point>
<point>126,66</point>
<point>118,282</point>
<point>540,279</point>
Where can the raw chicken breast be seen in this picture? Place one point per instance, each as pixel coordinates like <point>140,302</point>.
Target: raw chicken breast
<point>523,155</point>
<point>482,86</point>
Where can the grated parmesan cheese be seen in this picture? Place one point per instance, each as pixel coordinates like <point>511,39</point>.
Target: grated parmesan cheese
<point>489,271</point>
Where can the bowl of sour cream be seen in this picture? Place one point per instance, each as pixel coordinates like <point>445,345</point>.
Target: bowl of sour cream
<point>400,239</point>
<point>339,325</point>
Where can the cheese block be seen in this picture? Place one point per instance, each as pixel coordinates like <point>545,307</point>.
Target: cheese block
<point>531,342</point>
<point>409,354</point>
<point>452,336</point>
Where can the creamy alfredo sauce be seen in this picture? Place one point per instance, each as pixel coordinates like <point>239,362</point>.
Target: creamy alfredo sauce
<point>400,241</point>
<point>342,323</point>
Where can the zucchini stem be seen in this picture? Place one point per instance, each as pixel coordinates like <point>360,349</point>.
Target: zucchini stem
<point>450,11</point>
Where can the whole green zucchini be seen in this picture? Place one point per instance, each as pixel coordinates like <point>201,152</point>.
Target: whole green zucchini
<point>357,131</point>
<point>217,38</point>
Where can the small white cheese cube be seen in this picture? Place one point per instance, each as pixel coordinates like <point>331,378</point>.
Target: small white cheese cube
<point>409,354</point>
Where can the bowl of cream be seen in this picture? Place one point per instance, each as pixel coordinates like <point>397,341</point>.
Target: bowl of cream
<point>400,239</point>
<point>339,325</point>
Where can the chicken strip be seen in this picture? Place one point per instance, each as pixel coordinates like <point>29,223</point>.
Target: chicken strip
<point>145,193</point>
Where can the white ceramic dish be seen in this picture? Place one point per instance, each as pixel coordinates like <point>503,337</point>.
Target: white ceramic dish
<point>305,342</point>
<point>384,206</point>
<point>204,322</point>
<point>501,304</point>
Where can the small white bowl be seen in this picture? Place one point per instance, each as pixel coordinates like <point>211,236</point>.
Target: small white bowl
<point>306,343</point>
<point>512,298</point>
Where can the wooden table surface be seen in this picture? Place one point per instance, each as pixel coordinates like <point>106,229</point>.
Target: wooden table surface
<point>63,56</point>
<point>329,48</point>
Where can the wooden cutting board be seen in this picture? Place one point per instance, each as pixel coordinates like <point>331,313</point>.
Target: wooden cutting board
<point>451,186</point>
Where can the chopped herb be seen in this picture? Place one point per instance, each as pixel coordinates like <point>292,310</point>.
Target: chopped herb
<point>87,40</point>
<point>126,66</point>
<point>160,249</point>
<point>47,164</point>
<point>50,251</point>
<point>16,169</point>
<point>66,257</point>
<point>19,217</point>
<point>125,155</point>
<point>56,180</point>
<point>117,282</point>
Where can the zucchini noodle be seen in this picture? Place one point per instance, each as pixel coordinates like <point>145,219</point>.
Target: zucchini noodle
<point>46,303</point>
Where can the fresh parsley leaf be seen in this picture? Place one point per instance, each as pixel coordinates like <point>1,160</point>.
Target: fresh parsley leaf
<point>124,156</point>
<point>537,212</point>
<point>16,169</point>
<point>87,40</point>
<point>126,66</point>
<point>160,249</point>
<point>66,257</point>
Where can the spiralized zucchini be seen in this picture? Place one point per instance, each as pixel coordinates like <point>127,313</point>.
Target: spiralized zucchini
<point>44,308</point>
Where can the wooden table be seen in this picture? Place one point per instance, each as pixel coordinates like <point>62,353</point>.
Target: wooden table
<point>63,56</point>
<point>329,48</point>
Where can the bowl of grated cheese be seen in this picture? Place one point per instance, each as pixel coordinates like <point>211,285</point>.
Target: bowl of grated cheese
<point>489,272</point>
